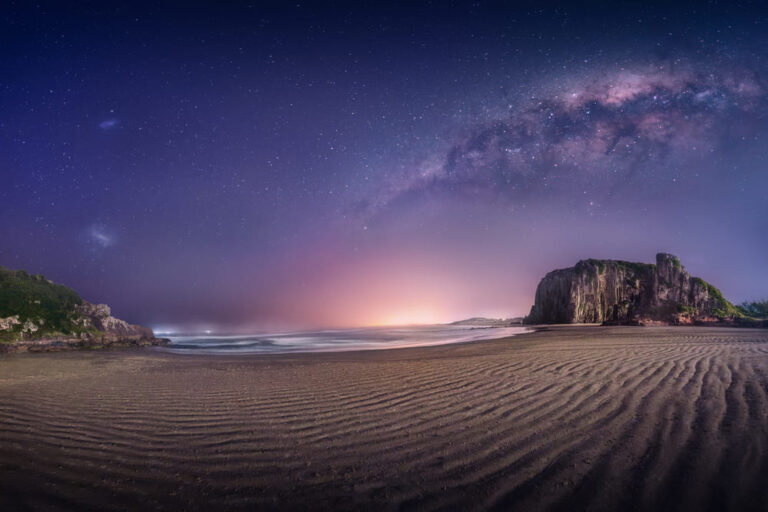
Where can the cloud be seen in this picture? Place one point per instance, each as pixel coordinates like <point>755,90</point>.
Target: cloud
<point>602,132</point>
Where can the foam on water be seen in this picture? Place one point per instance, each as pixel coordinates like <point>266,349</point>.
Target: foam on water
<point>372,338</point>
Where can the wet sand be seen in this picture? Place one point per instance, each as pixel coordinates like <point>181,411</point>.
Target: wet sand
<point>572,418</point>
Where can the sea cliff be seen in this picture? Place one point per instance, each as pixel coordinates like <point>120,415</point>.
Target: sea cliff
<point>621,292</point>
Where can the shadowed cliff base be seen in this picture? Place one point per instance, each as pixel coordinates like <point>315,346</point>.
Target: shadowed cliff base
<point>570,418</point>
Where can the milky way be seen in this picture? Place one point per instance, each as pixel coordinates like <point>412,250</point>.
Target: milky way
<point>607,133</point>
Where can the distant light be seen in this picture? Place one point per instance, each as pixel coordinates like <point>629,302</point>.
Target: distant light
<point>164,329</point>
<point>207,331</point>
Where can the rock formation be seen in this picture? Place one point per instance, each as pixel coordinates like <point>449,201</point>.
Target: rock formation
<point>621,292</point>
<point>38,315</point>
<point>99,317</point>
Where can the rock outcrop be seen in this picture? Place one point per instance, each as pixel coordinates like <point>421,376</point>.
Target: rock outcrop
<point>99,317</point>
<point>621,292</point>
<point>38,315</point>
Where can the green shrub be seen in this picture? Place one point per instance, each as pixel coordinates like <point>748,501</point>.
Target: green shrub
<point>34,298</point>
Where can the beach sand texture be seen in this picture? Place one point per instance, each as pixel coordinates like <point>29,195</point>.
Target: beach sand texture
<point>570,418</point>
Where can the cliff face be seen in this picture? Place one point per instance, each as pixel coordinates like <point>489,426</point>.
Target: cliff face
<point>36,314</point>
<point>609,291</point>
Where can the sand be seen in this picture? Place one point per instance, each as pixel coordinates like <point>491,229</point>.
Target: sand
<point>568,419</point>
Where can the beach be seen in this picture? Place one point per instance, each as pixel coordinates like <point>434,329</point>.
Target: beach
<point>566,418</point>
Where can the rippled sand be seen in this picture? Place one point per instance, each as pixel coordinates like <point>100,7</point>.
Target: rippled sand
<point>568,419</point>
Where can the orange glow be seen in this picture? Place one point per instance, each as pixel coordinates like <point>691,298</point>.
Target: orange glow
<point>396,287</point>
<point>407,317</point>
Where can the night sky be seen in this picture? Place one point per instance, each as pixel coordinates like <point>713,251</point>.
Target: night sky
<point>297,165</point>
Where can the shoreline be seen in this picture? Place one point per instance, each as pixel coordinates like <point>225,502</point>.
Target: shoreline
<point>165,345</point>
<point>73,344</point>
<point>354,346</point>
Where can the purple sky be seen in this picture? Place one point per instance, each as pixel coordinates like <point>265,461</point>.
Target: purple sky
<point>296,165</point>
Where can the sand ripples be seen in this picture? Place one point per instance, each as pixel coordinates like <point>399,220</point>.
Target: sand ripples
<point>584,418</point>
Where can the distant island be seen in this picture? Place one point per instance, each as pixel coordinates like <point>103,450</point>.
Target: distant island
<point>615,292</point>
<point>479,321</point>
<point>38,315</point>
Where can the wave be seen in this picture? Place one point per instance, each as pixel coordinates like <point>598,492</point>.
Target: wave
<point>338,340</point>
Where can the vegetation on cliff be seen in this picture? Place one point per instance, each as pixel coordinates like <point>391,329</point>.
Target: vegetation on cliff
<point>725,309</point>
<point>29,301</point>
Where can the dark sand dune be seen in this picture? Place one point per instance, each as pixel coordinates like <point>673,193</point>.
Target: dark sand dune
<point>569,419</point>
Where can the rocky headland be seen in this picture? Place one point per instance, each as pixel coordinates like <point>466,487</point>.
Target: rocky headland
<point>622,292</point>
<point>37,315</point>
<point>489,322</point>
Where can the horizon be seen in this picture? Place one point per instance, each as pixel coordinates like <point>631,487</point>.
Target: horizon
<point>245,330</point>
<point>313,166</point>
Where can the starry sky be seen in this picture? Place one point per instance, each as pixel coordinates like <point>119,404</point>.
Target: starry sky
<point>289,165</point>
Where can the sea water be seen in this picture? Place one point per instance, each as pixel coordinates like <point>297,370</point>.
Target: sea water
<point>371,338</point>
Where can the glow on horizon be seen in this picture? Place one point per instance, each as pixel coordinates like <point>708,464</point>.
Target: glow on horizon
<point>389,287</point>
<point>415,317</point>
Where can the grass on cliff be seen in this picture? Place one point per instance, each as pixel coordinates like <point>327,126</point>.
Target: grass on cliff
<point>33,297</point>
<point>675,261</point>
<point>726,309</point>
<point>637,268</point>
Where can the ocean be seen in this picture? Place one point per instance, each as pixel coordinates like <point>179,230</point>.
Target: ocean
<point>337,340</point>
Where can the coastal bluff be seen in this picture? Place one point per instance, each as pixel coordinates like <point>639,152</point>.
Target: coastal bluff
<point>37,315</point>
<point>622,292</point>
